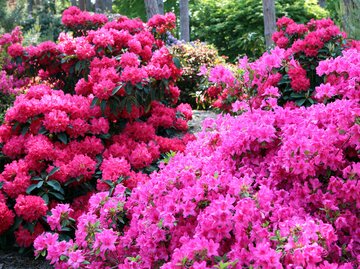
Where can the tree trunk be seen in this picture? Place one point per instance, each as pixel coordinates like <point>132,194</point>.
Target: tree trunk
<point>82,4</point>
<point>30,7</point>
<point>99,6</point>
<point>88,5</point>
<point>161,6</point>
<point>349,12</point>
<point>322,3</point>
<point>108,6</point>
<point>152,8</point>
<point>73,2</point>
<point>184,20</point>
<point>269,21</point>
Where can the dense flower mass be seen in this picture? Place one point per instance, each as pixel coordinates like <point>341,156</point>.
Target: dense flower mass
<point>100,111</point>
<point>263,190</point>
<point>93,180</point>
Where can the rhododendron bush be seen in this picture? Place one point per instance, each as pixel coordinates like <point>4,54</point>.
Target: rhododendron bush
<point>11,75</point>
<point>100,111</point>
<point>285,75</point>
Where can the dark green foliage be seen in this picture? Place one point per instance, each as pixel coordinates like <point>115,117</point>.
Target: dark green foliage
<point>130,8</point>
<point>9,18</point>
<point>241,23</point>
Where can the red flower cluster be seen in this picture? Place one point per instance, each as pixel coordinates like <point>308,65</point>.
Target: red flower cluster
<point>7,217</point>
<point>30,208</point>
<point>74,18</point>
<point>299,80</point>
<point>161,24</point>
<point>103,113</point>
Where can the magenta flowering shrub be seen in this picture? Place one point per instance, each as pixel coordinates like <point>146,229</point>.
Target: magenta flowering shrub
<point>267,189</point>
<point>286,74</point>
<point>275,187</point>
<point>11,80</point>
<point>10,74</point>
<point>101,111</point>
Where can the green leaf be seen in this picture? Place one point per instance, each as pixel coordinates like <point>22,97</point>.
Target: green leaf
<point>94,102</point>
<point>312,101</point>
<point>103,106</point>
<point>109,182</point>
<point>31,188</point>
<point>57,195</point>
<point>78,66</point>
<point>42,130</point>
<point>177,63</point>
<point>65,229</point>
<point>300,102</point>
<point>1,184</point>
<point>128,88</point>
<point>116,89</point>
<point>139,86</point>
<point>63,138</point>
<point>17,223</point>
<point>105,136</point>
<point>53,171</point>
<point>54,184</point>
<point>296,95</point>
<point>39,184</point>
<point>128,106</point>
<point>46,198</point>
<point>16,124</point>
<point>25,129</point>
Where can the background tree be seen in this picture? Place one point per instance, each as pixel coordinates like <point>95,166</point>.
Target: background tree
<point>152,8</point>
<point>89,5</point>
<point>269,21</point>
<point>161,6</point>
<point>30,6</point>
<point>349,14</point>
<point>237,27</point>
<point>184,20</point>
<point>322,3</point>
<point>82,5</point>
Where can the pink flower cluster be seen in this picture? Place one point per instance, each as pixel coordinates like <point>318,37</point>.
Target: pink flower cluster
<point>11,81</point>
<point>342,75</point>
<point>92,239</point>
<point>288,71</point>
<point>263,190</point>
<point>74,18</point>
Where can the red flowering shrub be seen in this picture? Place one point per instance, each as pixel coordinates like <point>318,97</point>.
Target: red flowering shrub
<point>101,113</point>
<point>285,75</point>
<point>11,80</point>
